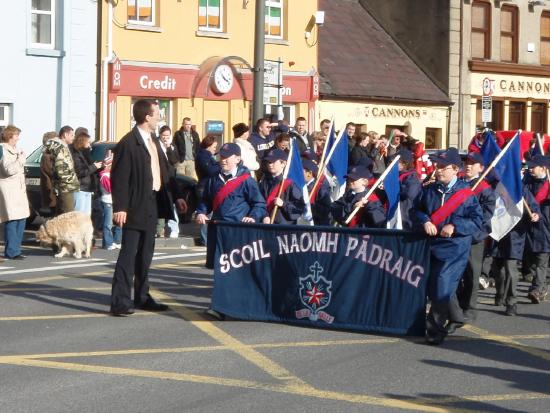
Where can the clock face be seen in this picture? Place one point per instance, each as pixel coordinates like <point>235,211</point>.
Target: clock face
<point>223,79</point>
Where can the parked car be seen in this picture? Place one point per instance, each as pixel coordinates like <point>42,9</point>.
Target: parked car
<point>99,149</point>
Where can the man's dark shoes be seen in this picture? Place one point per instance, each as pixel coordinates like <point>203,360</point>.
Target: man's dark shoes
<point>122,313</point>
<point>511,310</point>
<point>499,301</point>
<point>18,257</point>
<point>152,305</point>
<point>435,338</point>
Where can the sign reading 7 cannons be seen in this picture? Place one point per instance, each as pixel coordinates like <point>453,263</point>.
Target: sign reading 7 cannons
<point>362,279</point>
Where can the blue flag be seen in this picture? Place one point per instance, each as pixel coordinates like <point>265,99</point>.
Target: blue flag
<point>296,175</point>
<point>509,205</point>
<point>337,166</point>
<point>489,149</point>
<point>392,188</point>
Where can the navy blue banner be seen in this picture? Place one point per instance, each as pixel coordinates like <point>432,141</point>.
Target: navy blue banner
<point>362,279</point>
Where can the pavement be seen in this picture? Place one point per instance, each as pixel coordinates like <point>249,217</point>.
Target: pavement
<point>60,350</point>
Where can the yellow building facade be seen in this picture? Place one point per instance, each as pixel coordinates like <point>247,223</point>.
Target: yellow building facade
<point>196,57</point>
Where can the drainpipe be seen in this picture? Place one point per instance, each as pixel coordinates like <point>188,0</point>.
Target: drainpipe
<point>106,60</point>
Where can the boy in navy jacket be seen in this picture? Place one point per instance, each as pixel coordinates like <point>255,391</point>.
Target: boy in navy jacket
<point>290,201</point>
<point>371,213</point>
<point>467,292</point>
<point>448,212</point>
<point>232,195</point>
<point>538,235</point>
<point>319,200</point>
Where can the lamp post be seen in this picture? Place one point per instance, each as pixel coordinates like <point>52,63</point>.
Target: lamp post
<point>259,49</point>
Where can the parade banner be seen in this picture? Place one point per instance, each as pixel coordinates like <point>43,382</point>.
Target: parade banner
<point>360,279</point>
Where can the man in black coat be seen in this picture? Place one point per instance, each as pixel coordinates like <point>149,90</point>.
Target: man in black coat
<point>141,193</point>
<point>187,144</point>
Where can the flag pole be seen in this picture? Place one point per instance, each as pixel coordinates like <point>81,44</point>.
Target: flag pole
<point>373,187</point>
<point>495,161</point>
<point>323,164</point>
<point>285,174</point>
<point>325,147</point>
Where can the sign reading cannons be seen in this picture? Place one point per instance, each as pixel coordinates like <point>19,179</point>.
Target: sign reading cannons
<point>361,279</point>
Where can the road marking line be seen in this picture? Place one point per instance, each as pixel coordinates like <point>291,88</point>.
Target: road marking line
<point>68,316</point>
<point>180,286</point>
<point>508,341</point>
<point>246,384</point>
<point>208,348</point>
<point>79,261</point>
<point>490,398</point>
<point>253,356</point>
<point>6,268</point>
<point>62,267</point>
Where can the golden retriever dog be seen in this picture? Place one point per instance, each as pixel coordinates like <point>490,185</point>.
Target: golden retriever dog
<point>71,233</point>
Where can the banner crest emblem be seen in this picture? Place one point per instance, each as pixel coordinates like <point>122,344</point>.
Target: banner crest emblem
<point>315,294</point>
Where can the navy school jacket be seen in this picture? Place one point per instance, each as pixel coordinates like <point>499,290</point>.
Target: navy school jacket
<point>244,201</point>
<point>293,200</point>
<point>512,245</point>
<point>321,205</point>
<point>373,214</point>
<point>487,200</point>
<point>538,234</point>
<point>410,187</point>
<point>449,256</point>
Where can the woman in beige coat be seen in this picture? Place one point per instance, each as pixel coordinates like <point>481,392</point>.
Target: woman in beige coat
<point>241,133</point>
<point>14,204</point>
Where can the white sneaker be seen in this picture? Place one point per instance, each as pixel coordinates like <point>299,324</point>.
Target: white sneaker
<point>117,246</point>
<point>174,235</point>
<point>111,247</point>
<point>483,283</point>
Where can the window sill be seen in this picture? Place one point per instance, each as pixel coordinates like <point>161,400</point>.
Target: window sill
<point>45,52</point>
<point>143,28</point>
<point>281,42</point>
<point>207,33</point>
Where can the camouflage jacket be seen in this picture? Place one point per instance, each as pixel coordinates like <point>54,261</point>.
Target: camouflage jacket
<point>64,176</point>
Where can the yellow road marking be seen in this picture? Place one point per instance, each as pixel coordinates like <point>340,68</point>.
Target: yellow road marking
<point>253,356</point>
<point>306,391</point>
<point>180,286</point>
<point>68,316</point>
<point>204,348</point>
<point>508,341</point>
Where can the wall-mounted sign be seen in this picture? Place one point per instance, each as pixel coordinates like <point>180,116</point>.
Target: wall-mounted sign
<point>116,75</point>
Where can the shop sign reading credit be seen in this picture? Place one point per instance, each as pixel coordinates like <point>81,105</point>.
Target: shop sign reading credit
<point>167,83</point>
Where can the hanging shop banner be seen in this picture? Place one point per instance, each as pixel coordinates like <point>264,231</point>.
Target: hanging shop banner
<point>361,279</point>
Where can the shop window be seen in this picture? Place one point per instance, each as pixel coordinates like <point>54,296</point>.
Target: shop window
<point>433,138</point>
<point>545,38</point>
<point>274,19</point>
<point>165,110</point>
<point>539,113</point>
<point>4,114</point>
<point>516,116</point>
<point>141,12</point>
<point>481,30</point>
<point>497,115</point>
<point>211,15</point>
<point>43,24</point>
<point>289,112</point>
<point>509,34</point>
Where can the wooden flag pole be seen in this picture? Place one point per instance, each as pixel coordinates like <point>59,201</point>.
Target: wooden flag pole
<point>325,148</point>
<point>495,161</point>
<point>285,174</point>
<point>323,165</point>
<point>373,188</point>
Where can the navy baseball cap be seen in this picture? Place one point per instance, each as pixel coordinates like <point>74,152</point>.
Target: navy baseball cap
<point>276,155</point>
<point>447,157</point>
<point>359,172</point>
<point>539,160</point>
<point>229,149</point>
<point>310,166</point>
<point>475,157</point>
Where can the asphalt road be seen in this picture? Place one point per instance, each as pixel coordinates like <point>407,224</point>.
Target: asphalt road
<point>60,351</point>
